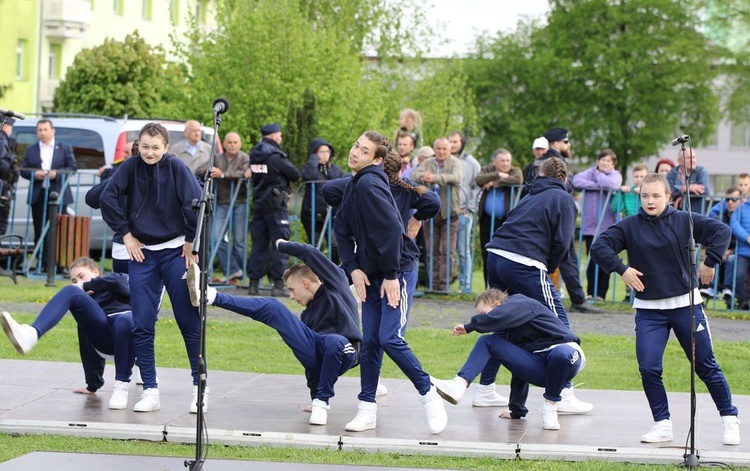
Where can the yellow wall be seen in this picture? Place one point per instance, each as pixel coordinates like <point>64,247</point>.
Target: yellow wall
<point>19,20</point>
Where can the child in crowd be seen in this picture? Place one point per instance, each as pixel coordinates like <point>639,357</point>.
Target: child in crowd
<point>157,224</point>
<point>743,183</point>
<point>381,260</point>
<point>410,122</point>
<point>326,340</point>
<point>656,240</point>
<point>100,304</point>
<point>628,203</point>
<point>529,340</point>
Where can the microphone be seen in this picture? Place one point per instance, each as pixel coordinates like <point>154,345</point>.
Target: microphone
<point>221,106</point>
<point>12,114</point>
<point>680,140</point>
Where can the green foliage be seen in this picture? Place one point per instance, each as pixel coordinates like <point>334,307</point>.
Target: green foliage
<point>118,78</point>
<point>625,75</point>
<point>301,128</point>
<point>5,89</point>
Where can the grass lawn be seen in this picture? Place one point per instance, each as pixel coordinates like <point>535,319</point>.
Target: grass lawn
<point>244,345</point>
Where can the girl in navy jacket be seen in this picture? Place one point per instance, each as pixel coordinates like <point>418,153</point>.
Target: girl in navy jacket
<point>157,224</point>
<point>658,272</point>
<point>381,261</point>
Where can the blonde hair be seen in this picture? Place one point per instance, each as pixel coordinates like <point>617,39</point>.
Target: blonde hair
<point>414,115</point>
<point>657,178</point>
<point>84,262</point>
<point>491,296</point>
<point>299,270</point>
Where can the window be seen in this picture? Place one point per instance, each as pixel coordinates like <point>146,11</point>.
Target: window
<point>21,60</point>
<point>740,136</point>
<point>200,10</point>
<point>55,54</point>
<point>119,6</point>
<point>175,12</point>
<point>147,10</point>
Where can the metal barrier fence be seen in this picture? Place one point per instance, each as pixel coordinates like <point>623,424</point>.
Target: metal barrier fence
<point>20,223</point>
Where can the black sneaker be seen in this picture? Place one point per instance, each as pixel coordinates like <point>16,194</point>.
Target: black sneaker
<point>584,308</point>
<point>252,290</point>
<point>279,290</point>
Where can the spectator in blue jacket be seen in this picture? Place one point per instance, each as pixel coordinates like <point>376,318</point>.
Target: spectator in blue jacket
<point>660,272</point>
<point>687,162</point>
<point>740,224</point>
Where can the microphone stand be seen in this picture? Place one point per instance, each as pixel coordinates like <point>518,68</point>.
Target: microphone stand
<point>204,207</point>
<point>691,459</point>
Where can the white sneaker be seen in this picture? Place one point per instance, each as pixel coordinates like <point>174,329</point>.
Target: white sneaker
<point>437,419</point>
<point>381,390</point>
<point>194,403</point>
<point>486,396</point>
<point>708,292</point>
<point>149,401</point>
<point>137,376</point>
<point>731,430</point>
<point>22,336</point>
<point>549,417</point>
<point>319,412</point>
<point>451,390</point>
<point>366,418</point>
<point>660,432</point>
<point>570,404</point>
<point>236,275</point>
<point>119,398</point>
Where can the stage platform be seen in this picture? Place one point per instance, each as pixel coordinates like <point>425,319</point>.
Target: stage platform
<point>261,409</point>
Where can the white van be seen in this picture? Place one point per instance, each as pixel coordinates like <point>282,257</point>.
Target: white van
<point>97,141</point>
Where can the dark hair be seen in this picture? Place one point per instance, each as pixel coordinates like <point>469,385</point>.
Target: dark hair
<point>45,120</point>
<point>640,167</point>
<point>382,144</point>
<point>733,189</point>
<point>402,135</point>
<point>299,270</point>
<point>153,130</point>
<point>491,296</point>
<point>463,140</point>
<point>554,167</point>
<point>608,152</point>
<point>657,178</point>
<point>84,262</point>
<point>392,166</point>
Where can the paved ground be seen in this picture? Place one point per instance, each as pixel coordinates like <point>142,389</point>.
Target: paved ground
<point>443,313</point>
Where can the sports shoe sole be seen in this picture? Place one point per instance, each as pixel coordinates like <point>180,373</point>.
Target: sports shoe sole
<point>193,275</point>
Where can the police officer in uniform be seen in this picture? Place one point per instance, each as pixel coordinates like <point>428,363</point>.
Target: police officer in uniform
<point>272,174</point>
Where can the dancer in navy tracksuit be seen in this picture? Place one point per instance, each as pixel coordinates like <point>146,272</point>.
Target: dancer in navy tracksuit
<point>381,262</point>
<point>325,338</point>
<point>158,229</point>
<point>658,272</point>
<point>101,307</point>
<point>534,240</point>
<point>529,340</point>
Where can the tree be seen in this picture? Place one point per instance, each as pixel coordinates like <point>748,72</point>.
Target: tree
<point>625,75</point>
<point>301,128</point>
<point>268,52</point>
<point>118,78</point>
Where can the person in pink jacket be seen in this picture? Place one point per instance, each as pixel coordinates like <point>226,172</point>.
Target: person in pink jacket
<point>599,184</point>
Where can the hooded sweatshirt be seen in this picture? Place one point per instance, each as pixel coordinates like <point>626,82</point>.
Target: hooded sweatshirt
<point>314,171</point>
<point>541,226</point>
<point>159,199</point>
<point>111,292</point>
<point>369,229</point>
<point>656,247</point>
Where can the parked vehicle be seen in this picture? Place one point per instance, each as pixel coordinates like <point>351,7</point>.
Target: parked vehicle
<point>97,141</point>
